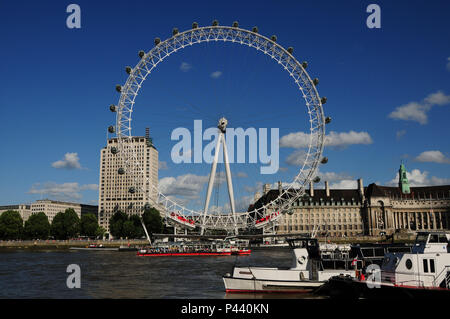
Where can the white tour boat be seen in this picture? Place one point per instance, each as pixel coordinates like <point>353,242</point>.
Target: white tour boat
<point>305,275</point>
<point>423,272</point>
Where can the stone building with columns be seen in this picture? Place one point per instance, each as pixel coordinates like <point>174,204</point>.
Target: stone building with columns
<point>389,209</point>
<point>370,210</point>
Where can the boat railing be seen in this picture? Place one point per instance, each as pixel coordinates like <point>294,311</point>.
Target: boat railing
<point>419,279</point>
<point>443,275</point>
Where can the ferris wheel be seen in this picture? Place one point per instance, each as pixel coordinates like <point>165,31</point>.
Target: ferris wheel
<point>191,219</point>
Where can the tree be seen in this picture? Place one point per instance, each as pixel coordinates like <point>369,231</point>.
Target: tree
<point>152,220</point>
<point>11,225</point>
<point>138,230</point>
<point>128,229</point>
<point>116,223</point>
<point>37,226</point>
<point>57,228</point>
<point>89,225</point>
<point>100,232</point>
<point>71,223</point>
<point>65,225</point>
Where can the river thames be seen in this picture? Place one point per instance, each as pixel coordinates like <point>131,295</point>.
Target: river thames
<point>110,274</point>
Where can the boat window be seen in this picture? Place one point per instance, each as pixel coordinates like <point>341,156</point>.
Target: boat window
<point>379,251</point>
<point>434,238</point>
<point>421,238</point>
<point>443,238</point>
<point>368,252</point>
<point>431,265</point>
<point>425,265</point>
<point>408,263</point>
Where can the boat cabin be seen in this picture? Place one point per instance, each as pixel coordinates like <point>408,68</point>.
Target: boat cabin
<point>426,266</point>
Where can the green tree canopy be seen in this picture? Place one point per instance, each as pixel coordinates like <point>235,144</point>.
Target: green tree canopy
<point>89,225</point>
<point>152,220</point>
<point>11,225</point>
<point>37,226</point>
<point>100,232</point>
<point>128,229</point>
<point>116,223</point>
<point>65,225</point>
<point>57,228</point>
<point>71,223</point>
<point>138,230</point>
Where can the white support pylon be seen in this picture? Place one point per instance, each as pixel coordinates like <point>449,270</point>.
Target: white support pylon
<point>221,138</point>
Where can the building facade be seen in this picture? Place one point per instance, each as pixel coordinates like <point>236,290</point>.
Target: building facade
<point>326,212</point>
<point>371,210</point>
<point>424,208</point>
<point>23,209</point>
<point>115,182</point>
<point>52,207</point>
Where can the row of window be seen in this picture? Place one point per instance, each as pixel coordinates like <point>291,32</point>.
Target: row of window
<point>321,227</point>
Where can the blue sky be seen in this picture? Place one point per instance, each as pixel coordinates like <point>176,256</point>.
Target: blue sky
<point>388,90</point>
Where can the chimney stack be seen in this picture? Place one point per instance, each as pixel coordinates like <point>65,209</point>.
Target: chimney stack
<point>311,188</point>
<point>327,189</point>
<point>280,187</point>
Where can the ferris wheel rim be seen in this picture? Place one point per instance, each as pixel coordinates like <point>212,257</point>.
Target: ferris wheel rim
<point>269,47</point>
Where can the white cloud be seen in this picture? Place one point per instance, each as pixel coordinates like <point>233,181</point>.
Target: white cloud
<point>162,165</point>
<point>64,191</point>
<point>342,139</point>
<point>188,186</point>
<point>333,176</point>
<point>253,189</point>
<point>448,64</point>
<point>437,98</point>
<point>417,112</point>
<point>185,67</point>
<point>296,158</point>
<point>433,156</point>
<point>347,138</point>
<point>295,140</point>
<point>345,184</point>
<point>216,74</point>
<point>418,178</point>
<point>70,161</point>
<point>240,204</point>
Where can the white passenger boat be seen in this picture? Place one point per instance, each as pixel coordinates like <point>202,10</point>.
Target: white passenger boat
<point>306,274</point>
<point>423,272</point>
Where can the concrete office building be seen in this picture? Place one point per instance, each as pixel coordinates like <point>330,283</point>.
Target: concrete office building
<point>115,182</point>
<point>23,209</point>
<point>52,207</point>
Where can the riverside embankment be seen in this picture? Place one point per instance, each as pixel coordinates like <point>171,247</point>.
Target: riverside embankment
<point>66,244</point>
